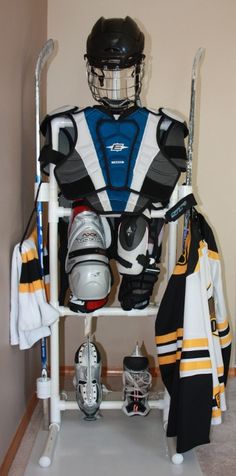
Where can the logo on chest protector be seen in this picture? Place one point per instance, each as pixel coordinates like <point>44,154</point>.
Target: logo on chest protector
<point>117,147</point>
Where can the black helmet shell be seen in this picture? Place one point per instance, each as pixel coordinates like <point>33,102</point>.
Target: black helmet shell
<point>115,42</point>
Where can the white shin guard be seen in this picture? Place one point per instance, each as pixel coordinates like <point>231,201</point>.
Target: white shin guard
<point>87,264</point>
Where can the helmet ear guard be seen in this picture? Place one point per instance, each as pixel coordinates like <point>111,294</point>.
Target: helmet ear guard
<point>87,264</point>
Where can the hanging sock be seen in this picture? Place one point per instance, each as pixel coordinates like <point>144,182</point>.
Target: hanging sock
<point>31,314</point>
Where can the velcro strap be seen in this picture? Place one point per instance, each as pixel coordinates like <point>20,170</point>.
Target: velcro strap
<point>123,262</point>
<point>49,156</point>
<point>87,306</point>
<point>180,208</point>
<point>87,251</point>
<point>144,260</point>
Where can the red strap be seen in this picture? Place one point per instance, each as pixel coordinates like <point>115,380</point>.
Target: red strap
<point>93,305</point>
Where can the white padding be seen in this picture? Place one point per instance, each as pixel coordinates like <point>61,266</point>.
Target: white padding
<point>132,243</point>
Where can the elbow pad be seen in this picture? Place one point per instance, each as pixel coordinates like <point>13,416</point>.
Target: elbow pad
<point>139,251</point>
<point>132,246</point>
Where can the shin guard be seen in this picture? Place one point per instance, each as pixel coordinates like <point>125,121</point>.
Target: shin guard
<point>87,264</point>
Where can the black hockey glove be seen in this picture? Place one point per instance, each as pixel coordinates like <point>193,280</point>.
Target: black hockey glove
<point>135,291</point>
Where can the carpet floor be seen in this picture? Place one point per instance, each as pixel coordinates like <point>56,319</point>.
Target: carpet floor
<point>121,445</point>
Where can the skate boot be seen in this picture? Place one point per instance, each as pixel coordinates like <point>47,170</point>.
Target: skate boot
<point>87,380</point>
<point>136,384</point>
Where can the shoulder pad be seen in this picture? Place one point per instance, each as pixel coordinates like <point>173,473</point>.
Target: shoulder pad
<point>171,115</point>
<point>61,111</point>
<point>153,111</point>
<point>64,110</point>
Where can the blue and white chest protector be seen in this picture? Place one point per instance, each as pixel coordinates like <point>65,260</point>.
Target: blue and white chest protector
<point>118,164</point>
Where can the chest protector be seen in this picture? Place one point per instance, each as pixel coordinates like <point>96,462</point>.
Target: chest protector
<point>118,164</point>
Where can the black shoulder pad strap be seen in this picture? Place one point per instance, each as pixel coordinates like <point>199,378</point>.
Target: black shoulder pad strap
<point>48,155</point>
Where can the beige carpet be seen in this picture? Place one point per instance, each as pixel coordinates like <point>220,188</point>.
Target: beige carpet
<point>219,457</point>
<point>216,459</point>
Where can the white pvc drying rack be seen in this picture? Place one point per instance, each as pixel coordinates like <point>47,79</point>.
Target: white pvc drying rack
<point>49,388</point>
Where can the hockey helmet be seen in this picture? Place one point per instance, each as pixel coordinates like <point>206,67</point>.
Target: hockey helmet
<point>115,61</point>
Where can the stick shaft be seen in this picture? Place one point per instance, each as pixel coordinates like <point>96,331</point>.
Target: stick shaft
<point>196,63</point>
<point>195,68</point>
<point>43,57</point>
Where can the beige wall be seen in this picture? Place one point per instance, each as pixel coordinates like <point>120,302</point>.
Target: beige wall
<point>22,33</point>
<point>174,30</point>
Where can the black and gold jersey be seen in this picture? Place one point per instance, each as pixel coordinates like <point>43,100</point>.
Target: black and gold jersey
<point>193,339</point>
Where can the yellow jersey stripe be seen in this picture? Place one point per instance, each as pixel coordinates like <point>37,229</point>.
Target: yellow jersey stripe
<point>213,255</point>
<point>187,343</point>
<point>220,370</point>
<point>180,269</point>
<point>216,390</point>
<point>222,388</point>
<point>198,365</point>
<point>31,287</point>
<point>29,255</point>
<point>169,337</point>
<point>216,412</point>
<point>225,340</point>
<point>222,325</point>
<point>168,359</point>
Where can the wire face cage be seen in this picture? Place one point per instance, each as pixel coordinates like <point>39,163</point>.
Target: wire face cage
<point>115,87</point>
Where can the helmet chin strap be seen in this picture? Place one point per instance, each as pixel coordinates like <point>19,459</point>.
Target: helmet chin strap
<point>117,105</point>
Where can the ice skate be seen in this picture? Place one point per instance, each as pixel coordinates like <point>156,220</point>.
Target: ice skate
<point>136,384</point>
<point>87,380</point>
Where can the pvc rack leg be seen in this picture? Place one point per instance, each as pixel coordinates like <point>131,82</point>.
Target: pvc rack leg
<point>176,458</point>
<point>45,403</point>
<point>164,405</point>
<point>46,459</point>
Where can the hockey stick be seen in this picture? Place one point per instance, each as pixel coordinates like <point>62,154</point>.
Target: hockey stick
<point>195,68</point>
<point>177,458</point>
<point>196,63</point>
<point>43,57</point>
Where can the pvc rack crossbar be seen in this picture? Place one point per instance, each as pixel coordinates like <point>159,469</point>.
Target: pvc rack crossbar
<point>49,193</point>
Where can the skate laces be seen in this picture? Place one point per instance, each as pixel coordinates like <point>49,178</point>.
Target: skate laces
<point>136,384</point>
